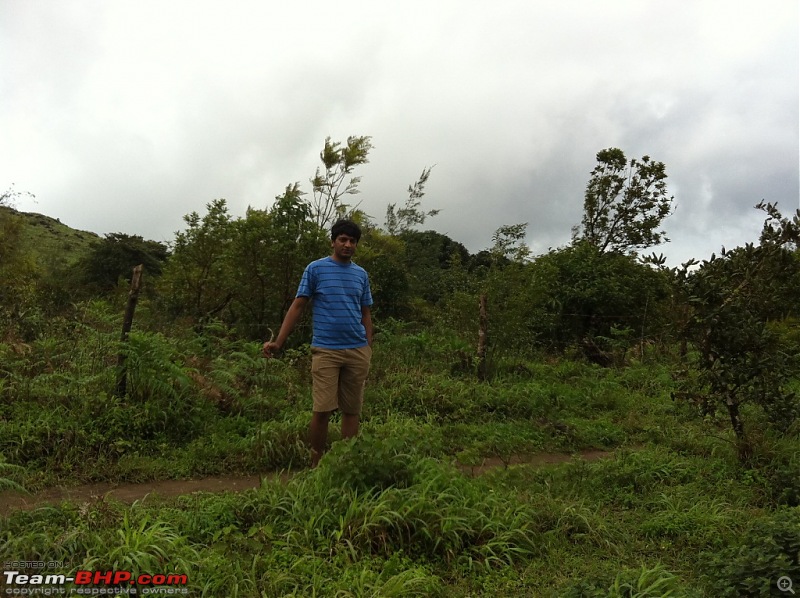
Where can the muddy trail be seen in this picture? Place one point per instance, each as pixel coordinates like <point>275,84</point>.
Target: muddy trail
<point>129,493</point>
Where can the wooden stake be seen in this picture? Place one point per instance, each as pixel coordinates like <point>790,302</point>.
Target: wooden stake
<point>127,323</point>
<point>483,338</point>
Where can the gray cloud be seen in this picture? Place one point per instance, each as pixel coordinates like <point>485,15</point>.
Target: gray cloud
<point>125,116</point>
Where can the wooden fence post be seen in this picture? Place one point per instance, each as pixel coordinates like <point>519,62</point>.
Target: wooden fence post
<point>127,322</point>
<point>483,338</point>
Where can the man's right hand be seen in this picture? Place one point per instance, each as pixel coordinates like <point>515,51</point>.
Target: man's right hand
<point>270,348</point>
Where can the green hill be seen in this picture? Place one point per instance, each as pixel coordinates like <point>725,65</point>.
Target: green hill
<point>50,241</point>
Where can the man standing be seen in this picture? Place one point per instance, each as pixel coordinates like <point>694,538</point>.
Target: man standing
<point>341,345</point>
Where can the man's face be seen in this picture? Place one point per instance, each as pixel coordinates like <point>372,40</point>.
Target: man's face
<point>344,247</point>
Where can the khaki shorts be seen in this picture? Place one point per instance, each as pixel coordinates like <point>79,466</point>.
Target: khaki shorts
<point>338,377</point>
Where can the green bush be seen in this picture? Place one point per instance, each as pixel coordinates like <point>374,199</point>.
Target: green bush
<point>379,458</point>
<point>769,550</point>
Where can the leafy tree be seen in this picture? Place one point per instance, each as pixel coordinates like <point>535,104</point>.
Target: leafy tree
<point>490,297</point>
<point>509,243</point>
<point>114,257</point>
<point>410,215</point>
<point>297,240</point>
<point>428,258</point>
<point>383,256</point>
<point>196,280</point>
<point>255,290</point>
<point>598,302</point>
<point>508,291</point>
<point>332,184</point>
<point>625,203</point>
<point>736,300</point>
<point>267,255</point>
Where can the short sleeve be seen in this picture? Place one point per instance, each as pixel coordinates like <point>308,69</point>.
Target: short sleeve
<point>306,283</point>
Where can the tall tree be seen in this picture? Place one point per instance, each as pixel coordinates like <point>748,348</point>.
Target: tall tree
<point>383,256</point>
<point>197,277</point>
<point>503,300</point>
<point>738,302</point>
<point>335,181</point>
<point>268,253</point>
<point>428,256</point>
<point>400,220</point>
<point>115,256</point>
<point>625,203</point>
<point>297,240</point>
<point>601,303</point>
<point>509,243</point>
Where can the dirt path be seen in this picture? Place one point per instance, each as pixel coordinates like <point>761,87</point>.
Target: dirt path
<point>128,493</point>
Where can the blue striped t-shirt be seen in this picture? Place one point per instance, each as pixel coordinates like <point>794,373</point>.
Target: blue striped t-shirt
<point>338,292</point>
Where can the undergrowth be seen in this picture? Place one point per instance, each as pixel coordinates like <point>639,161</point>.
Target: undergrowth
<point>669,511</point>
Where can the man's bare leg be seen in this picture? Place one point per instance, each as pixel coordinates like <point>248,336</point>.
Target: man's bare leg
<point>349,425</point>
<point>318,435</point>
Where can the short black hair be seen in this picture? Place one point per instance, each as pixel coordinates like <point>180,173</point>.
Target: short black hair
<point>346,227</point>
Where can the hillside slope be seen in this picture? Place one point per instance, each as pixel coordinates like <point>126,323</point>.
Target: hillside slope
<point>50,241</point>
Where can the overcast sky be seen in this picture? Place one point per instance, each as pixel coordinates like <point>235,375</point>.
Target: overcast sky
<point>122,116</point>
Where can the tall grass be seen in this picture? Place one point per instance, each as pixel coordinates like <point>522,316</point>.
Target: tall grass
<point>670,511</point>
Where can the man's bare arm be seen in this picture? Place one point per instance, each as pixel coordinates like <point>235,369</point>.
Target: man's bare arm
<point>289,322</point>
<point>366,320</point>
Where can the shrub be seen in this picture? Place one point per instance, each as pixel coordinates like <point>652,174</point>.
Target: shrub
<point>769,550</point>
